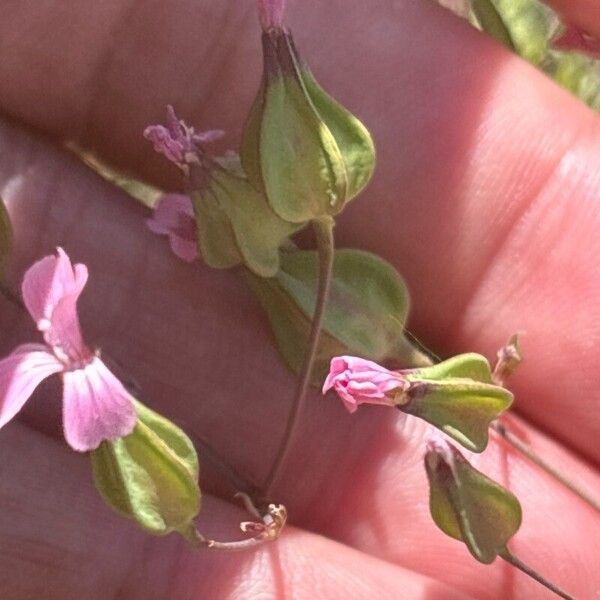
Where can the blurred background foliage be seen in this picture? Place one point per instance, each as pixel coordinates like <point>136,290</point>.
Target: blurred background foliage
<point>527,27</point>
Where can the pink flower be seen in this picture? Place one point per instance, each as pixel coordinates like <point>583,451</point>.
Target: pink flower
<point>179,142</point>
<point>271,13</point>
<point>358,381</point>
<point>174,216</point>
<point>574,38</point>
<point>96,406</point>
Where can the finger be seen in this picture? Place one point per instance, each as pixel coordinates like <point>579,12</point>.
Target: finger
<point>60,542</point>
<point>183,317</point>
<point>460,201</point>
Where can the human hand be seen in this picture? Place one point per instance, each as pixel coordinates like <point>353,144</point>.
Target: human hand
<point>486,201</point>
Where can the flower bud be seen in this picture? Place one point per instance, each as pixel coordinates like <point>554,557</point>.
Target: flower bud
<point>308,153</point>
<point>151,475</point>
<point>467,505</point>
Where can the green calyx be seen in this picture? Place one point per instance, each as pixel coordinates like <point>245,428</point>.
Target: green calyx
<point>468,506</point>
<point>458,397</point>
<point>234,221</point>
<point>307,152</point>
<point>365,315</point>
<point>151,475</point>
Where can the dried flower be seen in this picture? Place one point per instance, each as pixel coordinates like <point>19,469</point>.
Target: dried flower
<point>179,142</point>
<point>358,381</point>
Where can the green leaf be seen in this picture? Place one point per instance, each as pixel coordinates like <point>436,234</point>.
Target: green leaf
<point>365,315</point>
<point>457,397</point>
<point>491,22</point>
<point>151,475</point>
<point>469,506</point>
<point>5,237</point>
<point>291,328</point>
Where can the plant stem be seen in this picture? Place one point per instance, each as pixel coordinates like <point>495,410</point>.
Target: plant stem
<point>527,451</point>
<point>515,562</point>
<point>323,229</point>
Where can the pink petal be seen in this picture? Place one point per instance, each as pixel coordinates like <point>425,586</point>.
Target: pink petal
<point>47,282</point>
<point>209,136</point>
<point>184,249</point>
<point>64,332</point>
<point>167,212</point>
<point>96,407</point>
<point>20,374</point>
<point>271,13</point>
<point>358,381</point>
<point>174,216</point>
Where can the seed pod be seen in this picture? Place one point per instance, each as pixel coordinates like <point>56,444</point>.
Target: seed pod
<point>307,153</point>
<point>151,475</point>
<point>467,505</point>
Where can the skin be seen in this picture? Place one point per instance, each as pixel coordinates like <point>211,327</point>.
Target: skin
<point>486,199</point>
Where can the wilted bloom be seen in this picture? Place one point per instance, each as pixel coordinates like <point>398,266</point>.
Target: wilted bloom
<point>179,142</point>
<point>358,381</point>
<point>174,216</point>
<point>271,13</point>
<point>96,406</point>
<point>572,38</point>
<point>457,395</point>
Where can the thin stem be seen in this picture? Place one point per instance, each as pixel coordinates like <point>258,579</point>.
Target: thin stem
<point>195,538</point>
<point>517,563</point>
<point>323,229</point>
<point>527,451</point>
<point>238,546</point>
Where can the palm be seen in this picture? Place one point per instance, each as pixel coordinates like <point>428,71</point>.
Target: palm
<point>485,199</point>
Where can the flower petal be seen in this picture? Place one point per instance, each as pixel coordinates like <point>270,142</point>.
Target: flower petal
<point>20,374</point>
<point>96,407</point>
<point>47,282</point>
<point>174,216</point>
<point>358,381</point>
<point>64,332</point>
<point>167,212</point>
<point>184,249</point>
